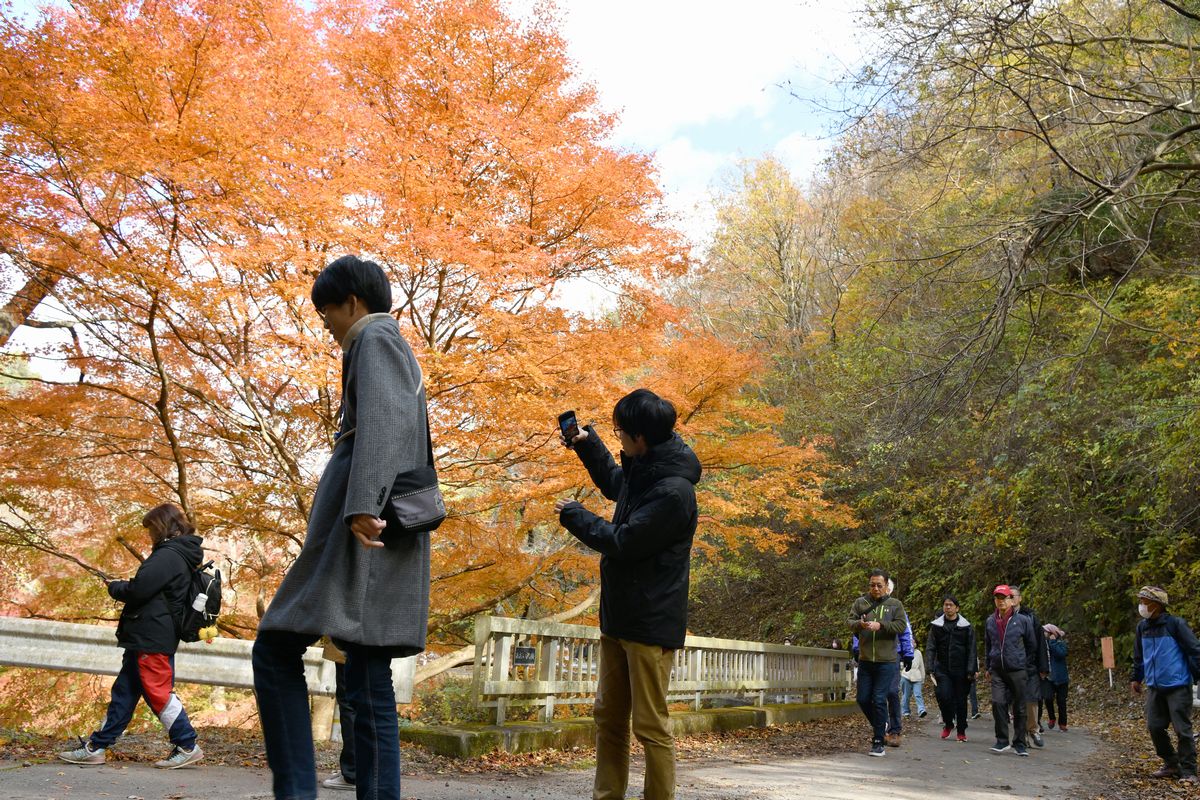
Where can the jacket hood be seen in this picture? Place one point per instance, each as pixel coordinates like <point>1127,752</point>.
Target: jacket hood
<point>670,459</point>
<point>961,621</point>
<point>190,546</point>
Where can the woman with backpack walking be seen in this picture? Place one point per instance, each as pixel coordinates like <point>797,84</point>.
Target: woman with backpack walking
<point>149,631</point>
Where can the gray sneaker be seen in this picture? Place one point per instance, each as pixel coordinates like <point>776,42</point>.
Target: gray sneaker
<point>338,781</point>
<point>1038,740</point>
<point>83,755</point>
<point>181,758</point>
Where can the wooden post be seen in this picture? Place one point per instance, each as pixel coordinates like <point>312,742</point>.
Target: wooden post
<point>548,649</point>
<point>760,673</point>
<point>501,659</point>
<point>322,717</point>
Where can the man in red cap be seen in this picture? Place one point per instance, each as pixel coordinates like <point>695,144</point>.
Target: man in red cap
<point>1008,640</point>
<point>1166,659</point>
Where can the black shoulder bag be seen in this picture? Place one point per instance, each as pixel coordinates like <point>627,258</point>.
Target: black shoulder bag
<point>415,504</point>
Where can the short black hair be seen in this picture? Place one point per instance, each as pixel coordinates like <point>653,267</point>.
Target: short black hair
<point>643,413</point>
<point>878,573</point>
<point>952,599</point>
<point>351,275</point>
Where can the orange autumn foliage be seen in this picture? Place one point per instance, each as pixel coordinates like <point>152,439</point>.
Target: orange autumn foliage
<point>178,171</point>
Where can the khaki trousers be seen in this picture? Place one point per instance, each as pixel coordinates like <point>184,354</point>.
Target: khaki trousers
<point>633,684</point>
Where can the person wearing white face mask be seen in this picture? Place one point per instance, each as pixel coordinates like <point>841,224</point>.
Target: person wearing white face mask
<point>1166,660</point>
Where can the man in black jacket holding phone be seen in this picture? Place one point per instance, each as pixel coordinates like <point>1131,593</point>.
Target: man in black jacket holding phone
<point>645,557</point>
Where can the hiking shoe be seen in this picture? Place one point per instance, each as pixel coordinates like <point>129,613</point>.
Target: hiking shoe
<point>1050,724</point>
<point>1021,750</point>
<point>923,714</point>
<point>976,715</point>
<point>946,732</point>
<point>83,755</point>
<point>1038,740</point>
<point>962,737</point>
<point>1062,728</point>
<point>892,740</point>
<point>1165,772</point>
<point>180,758</point>
<point>1001,747</point>
<point>338,781</point>
<point>877,750</point>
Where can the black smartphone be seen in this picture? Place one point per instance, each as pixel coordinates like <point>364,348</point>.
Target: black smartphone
<point>568,426</point>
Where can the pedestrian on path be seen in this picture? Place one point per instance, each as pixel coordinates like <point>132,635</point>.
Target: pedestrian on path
<point>1059,681</point>
<point>358,581</point>
<point>645,557</point>
<point>343,779</point>
<point>1008,638</point>
<point>904,655</point>
<point>1166,661</point>
<point>1037,669</point>
<point>877,619</point>
<point>953,664</point>
<point>149,630</point>
<point>913,679</point>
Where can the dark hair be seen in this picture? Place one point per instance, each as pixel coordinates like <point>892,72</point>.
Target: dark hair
<point>643,413</point>
<point>878,573</point>
<point>351,275</point>
<point>166,522</point>
<point>952,599</point>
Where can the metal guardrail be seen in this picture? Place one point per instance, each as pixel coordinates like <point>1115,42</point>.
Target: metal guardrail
<point>526,662</point>
<point>69,646</point>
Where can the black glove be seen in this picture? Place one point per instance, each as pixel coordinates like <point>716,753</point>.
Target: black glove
<point>907,662</point>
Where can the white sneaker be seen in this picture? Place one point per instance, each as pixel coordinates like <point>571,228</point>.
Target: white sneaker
<point>338,781</point>
<point>83,755</point>
<point>181,758</point>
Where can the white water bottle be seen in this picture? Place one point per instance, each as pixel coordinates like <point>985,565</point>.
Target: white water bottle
<point>200,602</point>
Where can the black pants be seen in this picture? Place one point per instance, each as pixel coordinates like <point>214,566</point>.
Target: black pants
<point>346,715</point>
<point>1057,694</point>
<point>1172,707</point>
<point>1008,692</point>
<point>952,691</point>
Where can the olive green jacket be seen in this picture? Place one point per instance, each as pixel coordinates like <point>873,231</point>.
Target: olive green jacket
<point>878,646</point>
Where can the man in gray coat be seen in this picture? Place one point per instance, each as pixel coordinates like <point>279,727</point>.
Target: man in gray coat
<point>372,600</point>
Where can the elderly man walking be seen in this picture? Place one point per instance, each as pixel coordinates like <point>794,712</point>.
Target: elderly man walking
<point>1166,659</point>
<point>1007,642</point>
<point>877,619</point>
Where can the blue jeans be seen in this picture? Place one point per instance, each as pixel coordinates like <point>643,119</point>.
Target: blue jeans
<point>893,703</point>
<point>282,694</point>
<point>129,687</point>
<point>346,713</point>
<point>874,683</point>
<point>909,690</point>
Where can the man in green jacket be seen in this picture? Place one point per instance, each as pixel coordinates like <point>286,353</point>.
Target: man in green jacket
<point>876,619</point>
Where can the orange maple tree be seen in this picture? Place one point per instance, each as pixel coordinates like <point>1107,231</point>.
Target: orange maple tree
<point>176,173</point>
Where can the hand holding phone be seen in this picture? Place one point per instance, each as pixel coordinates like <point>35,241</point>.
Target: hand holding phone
<point>568,428</point>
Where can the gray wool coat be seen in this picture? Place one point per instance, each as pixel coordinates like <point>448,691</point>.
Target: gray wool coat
<point>338,588</point>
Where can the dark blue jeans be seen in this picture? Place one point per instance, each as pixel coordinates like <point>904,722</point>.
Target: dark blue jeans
<point>874,683</point>
<point>152,678</point>
<point>346,714</point>
<point>893,704</point>
<point>287,725</point>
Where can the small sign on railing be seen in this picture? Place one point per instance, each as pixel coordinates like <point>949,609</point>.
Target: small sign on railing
<point>524,656</point>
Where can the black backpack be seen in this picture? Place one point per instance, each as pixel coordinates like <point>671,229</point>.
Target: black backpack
<point>204,581</point>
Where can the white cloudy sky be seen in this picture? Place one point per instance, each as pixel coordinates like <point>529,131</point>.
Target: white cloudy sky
<point>704,83</point>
